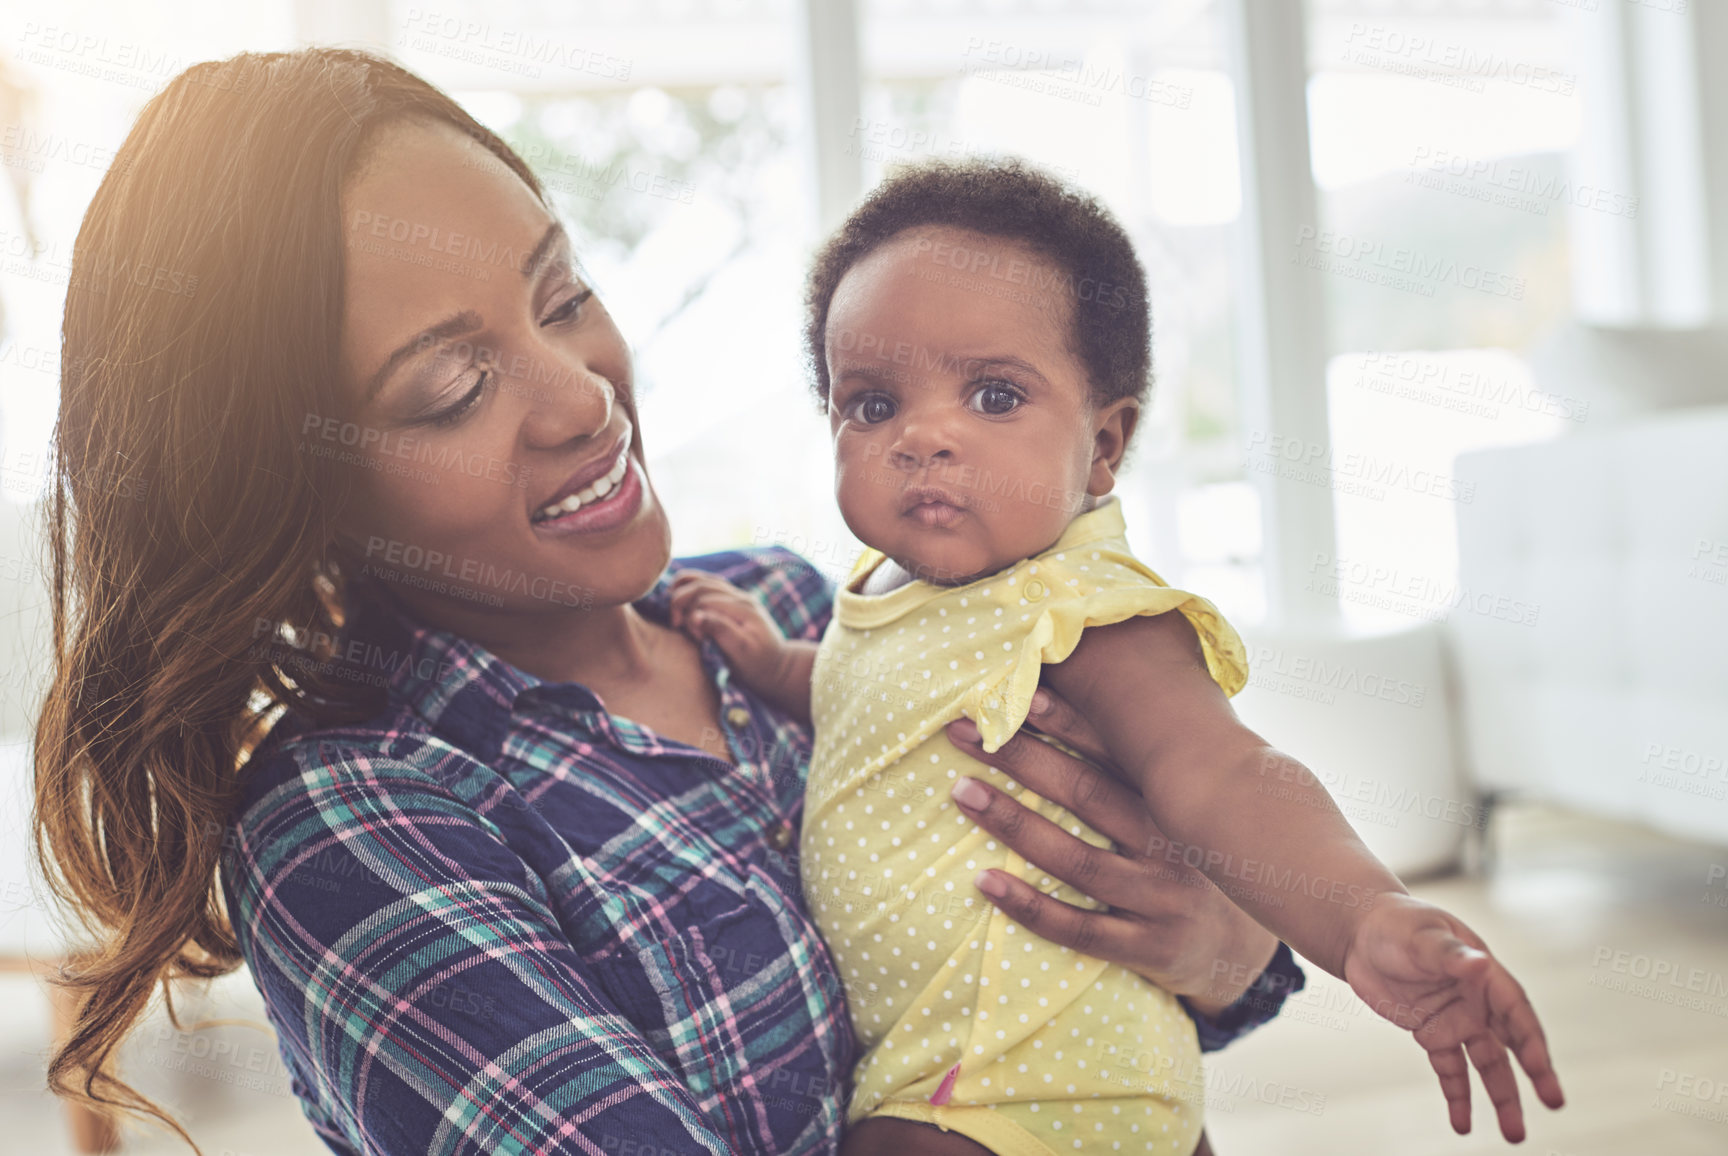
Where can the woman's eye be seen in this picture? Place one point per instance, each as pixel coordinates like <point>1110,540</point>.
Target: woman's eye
<point>568,310</point>
<point>996,399</point>
<point>874,408</point>
<point>456,412</point>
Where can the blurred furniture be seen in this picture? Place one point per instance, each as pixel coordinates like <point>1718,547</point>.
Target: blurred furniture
<point>29,940</point>
<point>1615,699</point>
<point>1371,716</point>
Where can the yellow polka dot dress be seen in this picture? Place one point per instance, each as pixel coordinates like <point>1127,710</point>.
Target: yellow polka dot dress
<point>1023,1046</point>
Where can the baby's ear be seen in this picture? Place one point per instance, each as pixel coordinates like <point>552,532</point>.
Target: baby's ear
<point>1114,424</point>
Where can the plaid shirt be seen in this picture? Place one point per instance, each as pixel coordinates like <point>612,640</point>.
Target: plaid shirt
<point>496,918</point>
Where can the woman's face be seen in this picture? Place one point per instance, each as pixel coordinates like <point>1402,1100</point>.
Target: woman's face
<point>490,383</point>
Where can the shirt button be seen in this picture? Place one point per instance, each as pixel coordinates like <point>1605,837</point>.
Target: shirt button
<point>780,837</point>
<point>1034,589</point>
<point>737,716</point>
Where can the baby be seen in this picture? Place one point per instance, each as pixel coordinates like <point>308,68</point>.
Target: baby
<point>980,334</point>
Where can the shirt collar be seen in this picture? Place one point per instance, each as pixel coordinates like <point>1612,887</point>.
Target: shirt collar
<point>465,693</point>
<point>1103,521</point>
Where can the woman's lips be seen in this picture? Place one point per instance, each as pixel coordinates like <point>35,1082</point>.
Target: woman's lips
<point>591,483</point>
<point>608,513</point>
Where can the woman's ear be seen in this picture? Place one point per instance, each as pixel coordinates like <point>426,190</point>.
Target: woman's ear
<point>1114,427</point>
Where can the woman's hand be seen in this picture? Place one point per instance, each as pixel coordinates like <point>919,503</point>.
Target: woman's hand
<point>1167,921</point>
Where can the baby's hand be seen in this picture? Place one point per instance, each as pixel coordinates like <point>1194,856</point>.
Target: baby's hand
<point>1421,968</point>
<point>706,606</point>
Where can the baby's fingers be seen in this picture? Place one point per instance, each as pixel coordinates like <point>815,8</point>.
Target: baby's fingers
<point>1454,1073</point>
<point>1489,1056</point>
<point>1439,952</point>
<point>728,633</point>
<point>1514,1023</point>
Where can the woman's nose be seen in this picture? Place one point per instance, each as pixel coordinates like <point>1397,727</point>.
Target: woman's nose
<point>576,404</point>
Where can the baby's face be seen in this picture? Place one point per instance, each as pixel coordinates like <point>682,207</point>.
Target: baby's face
<point>964,434</point>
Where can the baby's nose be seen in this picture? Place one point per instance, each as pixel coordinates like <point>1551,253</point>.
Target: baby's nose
<point>912,458</point>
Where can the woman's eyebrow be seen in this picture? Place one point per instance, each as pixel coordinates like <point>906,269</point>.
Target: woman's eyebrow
<point>466,321</point>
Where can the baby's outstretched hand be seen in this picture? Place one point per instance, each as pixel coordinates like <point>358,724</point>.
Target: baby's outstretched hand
<point>707,607</point>
<point>1424,970</point>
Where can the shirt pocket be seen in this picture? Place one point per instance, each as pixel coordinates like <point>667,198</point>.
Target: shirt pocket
<point>720,1000</point>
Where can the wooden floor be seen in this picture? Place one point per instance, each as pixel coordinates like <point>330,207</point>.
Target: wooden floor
<point>1579,908</point>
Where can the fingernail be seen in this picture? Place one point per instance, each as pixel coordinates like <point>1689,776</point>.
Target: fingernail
<point>1040,701</point>
<point>963,729</point>
<point>990,885</point>
<point>970,793</point>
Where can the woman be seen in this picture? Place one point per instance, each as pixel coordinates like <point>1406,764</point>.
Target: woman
<point>515,867</point>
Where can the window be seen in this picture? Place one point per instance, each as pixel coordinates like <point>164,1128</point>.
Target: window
<point>1130,102</point>
<point>1440,132</point>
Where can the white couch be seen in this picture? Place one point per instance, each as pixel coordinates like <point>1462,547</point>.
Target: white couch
<point>1616,699</point>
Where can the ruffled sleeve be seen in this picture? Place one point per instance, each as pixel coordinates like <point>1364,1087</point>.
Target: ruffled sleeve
<point>1067,592</point>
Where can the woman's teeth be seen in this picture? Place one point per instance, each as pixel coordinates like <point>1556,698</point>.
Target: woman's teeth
<point>592,492</point>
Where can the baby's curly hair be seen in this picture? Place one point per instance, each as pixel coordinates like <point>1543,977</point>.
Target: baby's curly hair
<point>1111,317</point>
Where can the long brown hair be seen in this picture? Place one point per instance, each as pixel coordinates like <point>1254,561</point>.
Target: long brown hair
<point>195,585</point>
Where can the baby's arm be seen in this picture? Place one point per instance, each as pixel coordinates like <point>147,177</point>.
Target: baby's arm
<point>706,606</point>
<point>1261,826</point>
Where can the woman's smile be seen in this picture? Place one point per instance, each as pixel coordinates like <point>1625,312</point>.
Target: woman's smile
<point>591,482</point>
<point>615,500</point>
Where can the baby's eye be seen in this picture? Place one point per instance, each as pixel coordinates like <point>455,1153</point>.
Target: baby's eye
<point>995,399</point>
<point>874,408</point>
